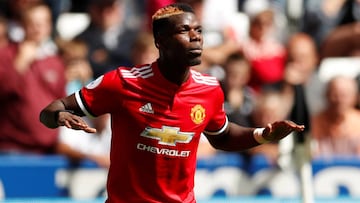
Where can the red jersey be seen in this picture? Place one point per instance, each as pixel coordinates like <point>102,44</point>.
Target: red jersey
<point>156,128</point>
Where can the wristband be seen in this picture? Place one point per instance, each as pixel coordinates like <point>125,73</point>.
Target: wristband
<point>258,136</point>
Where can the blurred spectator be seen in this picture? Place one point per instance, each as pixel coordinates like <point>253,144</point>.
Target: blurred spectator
<point>218,17</point>
<point>302,90</point>
<point>143,50</point>
<point>270,106</point>
<point>219,37</point>
<point>343,41</point>
<point>79,145</point>
<point>321,17</point>
<point>281,28</point>
<point>263,50</point>
<point>301,84</point>
<point>31,75</point>
<point>109,37</point>
<point>78,70</point>
<point>336,130</point>
<point>239,97</point>
<point>215,56</point>
<point>13,11</point>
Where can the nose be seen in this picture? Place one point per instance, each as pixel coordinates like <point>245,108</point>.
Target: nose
<point>195,35</point>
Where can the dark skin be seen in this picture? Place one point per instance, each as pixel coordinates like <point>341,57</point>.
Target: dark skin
<point>180,48</point>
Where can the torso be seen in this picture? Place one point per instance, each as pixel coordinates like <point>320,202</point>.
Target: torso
<point>337,137</point>
<point>156,129</point>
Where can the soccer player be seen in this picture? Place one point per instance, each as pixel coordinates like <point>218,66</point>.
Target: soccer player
<point>158,113</point>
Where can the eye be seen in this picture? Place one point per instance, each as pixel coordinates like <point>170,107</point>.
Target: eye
<point>182,30</point>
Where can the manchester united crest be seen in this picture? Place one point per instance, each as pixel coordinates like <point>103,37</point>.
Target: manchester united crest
<point>197,114</point>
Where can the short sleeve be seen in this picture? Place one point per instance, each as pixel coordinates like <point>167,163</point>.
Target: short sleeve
<point>218,122</point>
<point>101,95</point>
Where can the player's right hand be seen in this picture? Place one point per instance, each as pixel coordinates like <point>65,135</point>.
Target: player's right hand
<point>75,122</point>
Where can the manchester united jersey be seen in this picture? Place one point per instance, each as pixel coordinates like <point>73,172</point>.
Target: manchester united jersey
<point>156,128</point>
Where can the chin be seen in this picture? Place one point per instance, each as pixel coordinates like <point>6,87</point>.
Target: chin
<point>195,62</point>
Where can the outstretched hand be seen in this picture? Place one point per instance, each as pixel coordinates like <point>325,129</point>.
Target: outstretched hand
<point>75,122</point>
<point>280,129</point>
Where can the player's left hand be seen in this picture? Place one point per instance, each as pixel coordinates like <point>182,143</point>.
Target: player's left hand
<point>280,129</point>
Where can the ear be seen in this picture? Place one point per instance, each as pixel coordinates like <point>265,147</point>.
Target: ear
<point>159,41</point>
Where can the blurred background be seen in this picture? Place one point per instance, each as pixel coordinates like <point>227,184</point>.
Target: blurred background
<point>275,59</point>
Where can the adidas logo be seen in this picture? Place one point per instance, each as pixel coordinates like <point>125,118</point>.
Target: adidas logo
<point>147,108</point>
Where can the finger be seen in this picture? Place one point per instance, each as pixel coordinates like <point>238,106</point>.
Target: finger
<point>77,125</point>
<point>89,130</point>
<point>67,124</point>
<point>300,127</point>
<point>79,122</point>
<point>295,126</point>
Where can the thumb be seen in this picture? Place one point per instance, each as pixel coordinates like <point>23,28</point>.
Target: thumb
<point>267,132</point>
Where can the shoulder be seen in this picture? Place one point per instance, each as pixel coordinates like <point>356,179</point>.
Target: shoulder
<point>122,75</point>
<point>141,71</point>
<point>205,79</point>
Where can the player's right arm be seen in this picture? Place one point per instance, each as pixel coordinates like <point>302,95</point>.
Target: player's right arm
<point>65,112</point>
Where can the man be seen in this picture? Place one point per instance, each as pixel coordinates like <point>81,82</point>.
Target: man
<point>158,114</point>
<point>331,131</point>
<point>109,36</point>
<point>31,76</point>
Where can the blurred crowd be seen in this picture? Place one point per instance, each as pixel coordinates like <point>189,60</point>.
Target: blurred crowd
<point>267,54</point>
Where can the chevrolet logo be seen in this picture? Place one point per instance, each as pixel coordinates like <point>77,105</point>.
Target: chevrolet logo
<point>168,135</point>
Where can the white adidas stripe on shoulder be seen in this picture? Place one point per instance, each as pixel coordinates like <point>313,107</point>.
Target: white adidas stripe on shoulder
<point>204,79</point>
<point>137,72</point>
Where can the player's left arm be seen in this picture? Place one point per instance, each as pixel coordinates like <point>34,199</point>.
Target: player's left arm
<point>238,138</point>
<point>229,136</point>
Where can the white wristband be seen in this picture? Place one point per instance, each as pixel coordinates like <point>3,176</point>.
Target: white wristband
<point>258,136</point>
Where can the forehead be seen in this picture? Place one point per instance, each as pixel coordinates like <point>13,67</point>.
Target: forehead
<point>182,19</point>
<point>38,12</point>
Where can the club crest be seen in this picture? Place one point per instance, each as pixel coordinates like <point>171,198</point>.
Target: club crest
<point>197,114</point>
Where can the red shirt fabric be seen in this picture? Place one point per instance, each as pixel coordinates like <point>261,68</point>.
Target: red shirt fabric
<point>267,71</point>
<point>22,97</point>
<point>267,59</point>
<point>156,128</point>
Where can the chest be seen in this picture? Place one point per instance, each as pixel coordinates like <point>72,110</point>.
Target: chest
<point>188,110</point>
<point>345,127</point>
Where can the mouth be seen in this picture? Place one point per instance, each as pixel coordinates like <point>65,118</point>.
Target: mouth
<point>195,52</point>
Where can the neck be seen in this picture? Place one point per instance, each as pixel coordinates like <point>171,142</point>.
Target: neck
<point>174,72</point>
<point>336,116</point>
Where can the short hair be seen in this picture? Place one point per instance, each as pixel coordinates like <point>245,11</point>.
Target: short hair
<point>161,16</point>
